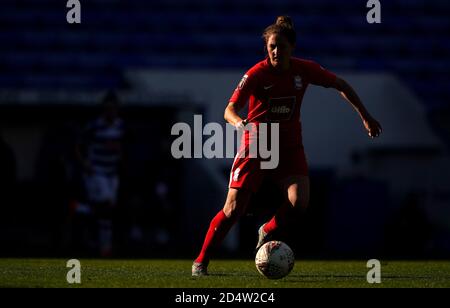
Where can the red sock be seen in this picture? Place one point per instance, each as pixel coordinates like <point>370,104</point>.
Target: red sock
<point>278,220</point>
<point>218,229</point>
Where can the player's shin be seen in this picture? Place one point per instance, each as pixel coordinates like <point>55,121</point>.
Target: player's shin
<point>218,229</point>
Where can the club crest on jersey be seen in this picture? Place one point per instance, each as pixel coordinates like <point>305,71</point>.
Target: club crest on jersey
<point>298,82</point>
<point>242,82</point>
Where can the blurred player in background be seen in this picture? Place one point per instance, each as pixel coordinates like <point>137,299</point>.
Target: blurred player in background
<point>274,88</point>
<point>100,153</point>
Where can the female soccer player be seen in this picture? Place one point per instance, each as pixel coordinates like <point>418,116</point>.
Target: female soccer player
<point>274,89</point>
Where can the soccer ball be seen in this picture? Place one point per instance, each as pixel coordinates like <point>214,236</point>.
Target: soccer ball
<point>275,260</point>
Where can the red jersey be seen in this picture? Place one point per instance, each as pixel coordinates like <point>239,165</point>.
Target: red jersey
<point>275,96</point>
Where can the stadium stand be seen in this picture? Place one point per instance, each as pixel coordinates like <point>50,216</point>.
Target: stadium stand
<point>41,50</point>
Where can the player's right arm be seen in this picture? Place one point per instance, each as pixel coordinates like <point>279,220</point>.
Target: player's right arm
<point>239,99</point>
<point>231,115</point>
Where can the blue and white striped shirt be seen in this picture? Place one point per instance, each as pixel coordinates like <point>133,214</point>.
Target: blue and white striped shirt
<point>104,145</point>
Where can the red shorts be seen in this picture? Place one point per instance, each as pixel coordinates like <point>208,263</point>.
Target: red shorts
<point>247,173</point>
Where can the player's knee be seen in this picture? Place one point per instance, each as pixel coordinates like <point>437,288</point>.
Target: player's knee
<point>232,210</point>
<point>236,204</point>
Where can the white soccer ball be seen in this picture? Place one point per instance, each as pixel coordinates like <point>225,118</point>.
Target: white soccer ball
<point>275,260</point>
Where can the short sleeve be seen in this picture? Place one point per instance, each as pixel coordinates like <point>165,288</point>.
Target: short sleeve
<point>244,89</point>
<point>320,76</point>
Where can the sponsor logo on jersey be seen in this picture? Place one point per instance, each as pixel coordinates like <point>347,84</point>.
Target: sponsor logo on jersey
<point>281,108</point>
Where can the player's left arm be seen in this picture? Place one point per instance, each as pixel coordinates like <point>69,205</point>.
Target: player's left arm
<point>349,94</point>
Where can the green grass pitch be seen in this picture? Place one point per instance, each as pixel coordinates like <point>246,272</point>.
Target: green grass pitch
<point>223,274</point>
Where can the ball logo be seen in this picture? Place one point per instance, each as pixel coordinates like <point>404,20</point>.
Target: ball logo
<point>274,260</point>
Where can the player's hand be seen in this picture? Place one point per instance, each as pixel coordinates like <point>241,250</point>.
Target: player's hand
<point>241,124</point>
<point>372,126</point>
